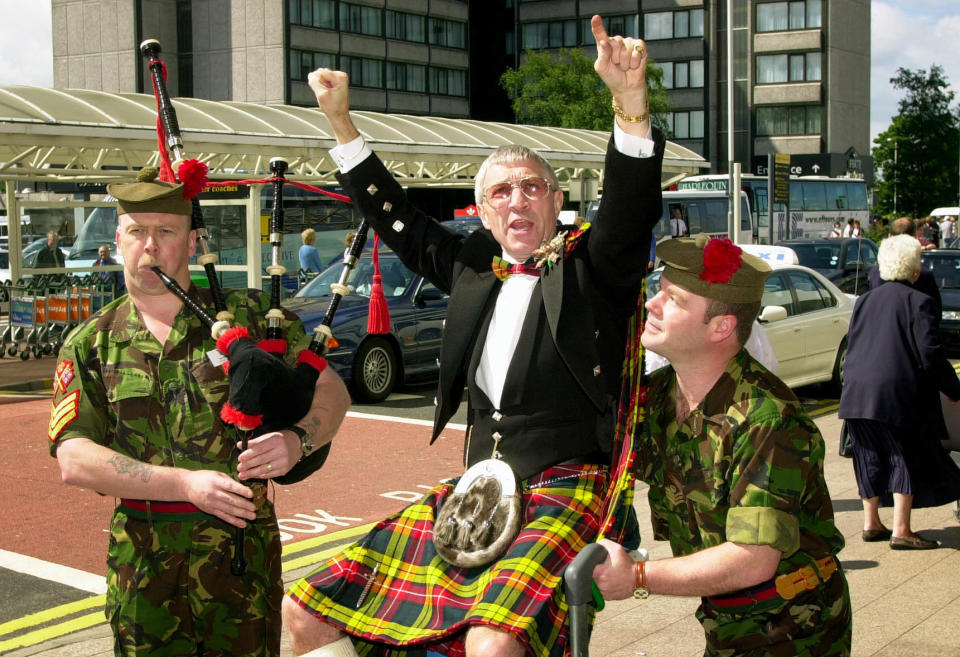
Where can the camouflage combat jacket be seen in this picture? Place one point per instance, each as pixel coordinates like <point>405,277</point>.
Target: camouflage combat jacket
<point>118,386</point>
<point>746,466</point>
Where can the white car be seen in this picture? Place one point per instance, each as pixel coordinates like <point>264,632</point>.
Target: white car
<point>805,317</point>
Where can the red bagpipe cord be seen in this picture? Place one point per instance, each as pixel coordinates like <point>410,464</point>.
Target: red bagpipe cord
<point>630,415</point>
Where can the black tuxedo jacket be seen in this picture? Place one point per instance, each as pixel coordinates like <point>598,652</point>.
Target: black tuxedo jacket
<point>588,297</point>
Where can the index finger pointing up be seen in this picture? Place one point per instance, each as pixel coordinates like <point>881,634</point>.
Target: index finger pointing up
<point>599,31</point>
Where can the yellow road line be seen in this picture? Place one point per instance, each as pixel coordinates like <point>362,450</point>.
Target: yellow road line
<point>52,613</point>
<point>308,543</point>
<point>89,620</point>
<point>52,632</point>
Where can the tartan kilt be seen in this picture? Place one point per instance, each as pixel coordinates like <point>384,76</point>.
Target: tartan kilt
<point>393,593</point>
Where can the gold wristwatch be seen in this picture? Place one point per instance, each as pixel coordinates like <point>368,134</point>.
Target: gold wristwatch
<point>306,442</point>
<point>640,590</point>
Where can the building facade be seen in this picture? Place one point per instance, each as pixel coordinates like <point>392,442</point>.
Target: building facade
<point>801,72</point>
<point>403,56</point>
<point>801,68</point>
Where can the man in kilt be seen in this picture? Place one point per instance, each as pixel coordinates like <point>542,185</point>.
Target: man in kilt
<point>539,352</point>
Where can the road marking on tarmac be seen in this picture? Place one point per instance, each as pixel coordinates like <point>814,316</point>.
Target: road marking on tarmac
<point>29,630</point>
<point>53,572</point>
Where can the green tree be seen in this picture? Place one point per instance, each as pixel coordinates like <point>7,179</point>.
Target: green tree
<point>563,90</point>
<point>918,153</point>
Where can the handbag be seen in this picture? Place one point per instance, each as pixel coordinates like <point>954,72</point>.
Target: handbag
<point>846,448</point>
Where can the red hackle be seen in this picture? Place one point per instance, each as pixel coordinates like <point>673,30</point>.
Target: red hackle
<point>378,319</point>
<point>721,260</point>
<point>193,175</point>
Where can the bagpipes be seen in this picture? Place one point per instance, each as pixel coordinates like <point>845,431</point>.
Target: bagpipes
<point>265,392</point>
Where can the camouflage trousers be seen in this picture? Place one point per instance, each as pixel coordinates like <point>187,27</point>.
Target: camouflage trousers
<point>170,591</point>
<point>816,623</point>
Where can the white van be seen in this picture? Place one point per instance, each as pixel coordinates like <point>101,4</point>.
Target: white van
<point>940,213</point>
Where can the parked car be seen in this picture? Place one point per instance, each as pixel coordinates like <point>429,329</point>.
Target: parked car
<point>844,262</point>
<point>372,365</point>
<point>944,264</point>
<point>805,316</point>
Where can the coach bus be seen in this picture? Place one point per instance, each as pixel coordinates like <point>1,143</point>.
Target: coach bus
<point>702,212</point>
<point>816,203</point>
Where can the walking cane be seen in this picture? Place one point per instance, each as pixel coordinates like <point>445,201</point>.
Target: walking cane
<point>578,582</point>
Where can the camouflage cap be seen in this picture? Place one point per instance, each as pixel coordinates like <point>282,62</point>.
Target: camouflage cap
<point>713,268</point>
<point>150,195</point>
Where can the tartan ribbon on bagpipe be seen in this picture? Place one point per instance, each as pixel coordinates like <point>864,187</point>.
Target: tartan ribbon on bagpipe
<point>630,415</point>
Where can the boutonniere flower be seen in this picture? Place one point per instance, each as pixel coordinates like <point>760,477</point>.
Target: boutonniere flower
<point>561,246</point>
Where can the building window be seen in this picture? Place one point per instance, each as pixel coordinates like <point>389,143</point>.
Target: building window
<point>791,120</point>
<point>302,62</point>
<point>449,34</point>
<point>680,75</point>
<point>363,72</point>
<point>686,125</point>
<point>777,69</point>
<point>625,25</point>
<point>313,13</point>
<point>406,77</point>
<point>406,27</point>
<point>448,82</point>
<point>361,19</point>
<point>555,34</point>
<point>673,24</point>
<point>793,15</point>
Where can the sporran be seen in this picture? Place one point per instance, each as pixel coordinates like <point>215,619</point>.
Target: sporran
<point>481,518</point>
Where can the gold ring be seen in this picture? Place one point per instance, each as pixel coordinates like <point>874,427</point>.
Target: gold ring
<point>269,467</point>
<point>638,48</point>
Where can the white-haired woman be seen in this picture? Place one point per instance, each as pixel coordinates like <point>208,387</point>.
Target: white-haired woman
<point>894,372</point>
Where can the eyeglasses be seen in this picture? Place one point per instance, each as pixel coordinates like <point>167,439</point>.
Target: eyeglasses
<point>533,188</point>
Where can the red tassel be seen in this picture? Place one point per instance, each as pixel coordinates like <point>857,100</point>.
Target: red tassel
<point>378,319</point>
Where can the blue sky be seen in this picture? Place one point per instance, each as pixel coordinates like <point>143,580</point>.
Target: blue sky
<point>913,34</point>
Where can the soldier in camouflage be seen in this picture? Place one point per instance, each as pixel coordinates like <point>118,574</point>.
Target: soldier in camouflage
<point>735,469</point>
<point>136,416</point>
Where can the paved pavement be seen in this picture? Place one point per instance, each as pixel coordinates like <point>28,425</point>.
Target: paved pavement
<point>905,603</point>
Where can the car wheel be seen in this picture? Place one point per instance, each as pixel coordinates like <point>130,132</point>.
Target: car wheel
<point>374,370</point>
<point>836,383</point>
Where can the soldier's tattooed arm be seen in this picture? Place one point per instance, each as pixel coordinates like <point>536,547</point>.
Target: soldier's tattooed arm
<point>330,404</point>
<point>125,465</point>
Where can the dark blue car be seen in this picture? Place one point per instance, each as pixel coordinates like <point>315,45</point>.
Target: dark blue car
<point>373,365</point>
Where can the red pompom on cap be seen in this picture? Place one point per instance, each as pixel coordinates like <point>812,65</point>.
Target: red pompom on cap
<point>721,260</point>
<point>193,175</point>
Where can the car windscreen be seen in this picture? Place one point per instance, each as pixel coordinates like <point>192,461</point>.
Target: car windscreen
<point>396,279</point>
<point>945,269</point>
<point>817,256</point>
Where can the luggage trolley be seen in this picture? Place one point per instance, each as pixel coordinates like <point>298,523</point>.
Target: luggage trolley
<point>63,312</point>
<point>28,318</point>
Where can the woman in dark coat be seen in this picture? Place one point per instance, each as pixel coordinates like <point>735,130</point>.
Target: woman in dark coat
<point>895,370</point>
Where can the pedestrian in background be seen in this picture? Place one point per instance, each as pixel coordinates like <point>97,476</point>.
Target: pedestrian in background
<point>112,278</point>
<point>892,405</point>
<point>50,255</point>
<point>947,229</point>
<point>309,256</point>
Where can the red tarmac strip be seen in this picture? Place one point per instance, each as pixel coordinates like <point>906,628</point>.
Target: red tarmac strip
<point>375,467</point>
